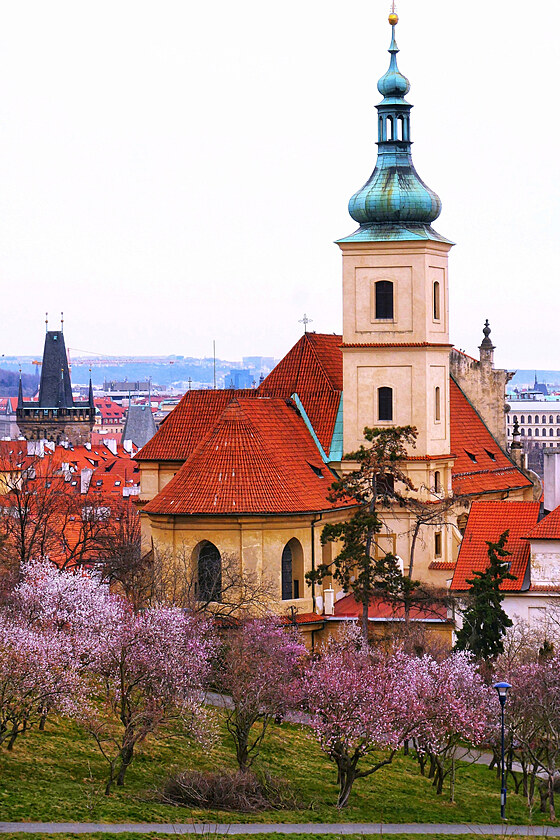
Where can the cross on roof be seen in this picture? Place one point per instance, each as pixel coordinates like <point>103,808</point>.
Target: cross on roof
<point>305,321</point>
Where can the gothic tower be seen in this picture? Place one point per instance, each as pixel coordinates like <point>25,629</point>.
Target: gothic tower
<point>395,297</point>
<point>56,416</point>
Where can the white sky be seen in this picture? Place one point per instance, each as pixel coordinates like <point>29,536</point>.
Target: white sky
<point>176,171</point>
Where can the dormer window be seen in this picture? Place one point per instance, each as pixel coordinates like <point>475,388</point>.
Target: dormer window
<point>471,456</point>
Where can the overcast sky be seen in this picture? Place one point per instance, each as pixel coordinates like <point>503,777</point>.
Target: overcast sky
<point>173,172</point>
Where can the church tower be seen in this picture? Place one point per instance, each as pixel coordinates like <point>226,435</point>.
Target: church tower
<point>395,297</point>
<point>56,416</point>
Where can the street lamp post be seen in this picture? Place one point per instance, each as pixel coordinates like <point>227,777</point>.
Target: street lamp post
<point>502,688</point>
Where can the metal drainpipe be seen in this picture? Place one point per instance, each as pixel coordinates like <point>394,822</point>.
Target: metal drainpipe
<point>313,523</point>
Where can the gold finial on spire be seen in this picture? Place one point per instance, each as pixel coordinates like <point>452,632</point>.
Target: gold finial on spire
<point>393,16</point>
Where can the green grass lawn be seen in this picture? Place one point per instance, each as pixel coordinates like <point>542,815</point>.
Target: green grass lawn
<point>58,775</point>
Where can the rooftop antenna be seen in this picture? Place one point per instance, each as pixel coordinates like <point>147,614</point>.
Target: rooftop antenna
<point>305,321</point>
<point>214,344</point>
<point>62,322</point>
<point>189,380</point>
<point>46,321</point>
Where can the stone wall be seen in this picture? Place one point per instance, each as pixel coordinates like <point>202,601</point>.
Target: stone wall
<point>485,387</point>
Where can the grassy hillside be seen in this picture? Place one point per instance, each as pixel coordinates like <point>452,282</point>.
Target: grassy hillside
<point>58,775</point>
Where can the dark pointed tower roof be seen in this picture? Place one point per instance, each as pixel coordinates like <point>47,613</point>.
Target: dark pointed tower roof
<point>55,389</point>
<point>394,204</point>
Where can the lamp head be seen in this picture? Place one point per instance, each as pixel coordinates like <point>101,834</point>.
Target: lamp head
<point>502,688</point>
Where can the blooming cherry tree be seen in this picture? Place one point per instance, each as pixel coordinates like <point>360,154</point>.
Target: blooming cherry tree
<point>361,701</point>
<point>260,675</point>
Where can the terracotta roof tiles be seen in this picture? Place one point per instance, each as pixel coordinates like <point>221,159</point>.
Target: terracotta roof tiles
<point>487,521</point>
<point>548,528</point>
<point>258,458</point>
<point>480,465</point>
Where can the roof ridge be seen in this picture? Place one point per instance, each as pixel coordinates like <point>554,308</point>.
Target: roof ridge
<point>320,364</point>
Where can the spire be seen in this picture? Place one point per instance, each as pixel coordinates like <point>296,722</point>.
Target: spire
<point>90,394</point>
<point>20,392</point>
<point>394,204</point>
<point>486,347</point>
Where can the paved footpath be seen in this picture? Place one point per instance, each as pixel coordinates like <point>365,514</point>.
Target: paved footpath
<point>212,829</point>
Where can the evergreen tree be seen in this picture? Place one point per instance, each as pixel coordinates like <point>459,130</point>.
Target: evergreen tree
<point>359,568</point>
<point>484,619</point>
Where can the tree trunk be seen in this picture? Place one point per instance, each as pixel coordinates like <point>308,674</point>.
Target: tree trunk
<point>13,737</point>
<point>551,809</point>
<point>452,781</point>
<point>127,754</point>
<point>347,776</point>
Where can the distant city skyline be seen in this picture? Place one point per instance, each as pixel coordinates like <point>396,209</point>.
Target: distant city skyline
<point>175,174</point>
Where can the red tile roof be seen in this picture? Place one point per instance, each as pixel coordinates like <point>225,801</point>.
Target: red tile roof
<point>380,610</point>
<point>312,369</point>
<point>189,423</point>
<point>480,465</point>
<point>548,528</point>
<point>487,521</point>
<point>258,458</point>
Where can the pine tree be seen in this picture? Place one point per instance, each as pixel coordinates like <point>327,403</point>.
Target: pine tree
<point>484,619</point>
<point>359,568</point>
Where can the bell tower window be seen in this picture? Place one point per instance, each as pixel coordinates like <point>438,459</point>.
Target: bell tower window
<point>436,301</point>
<point>385,404</point>
<point>437,406</point>
<point>384,308</point>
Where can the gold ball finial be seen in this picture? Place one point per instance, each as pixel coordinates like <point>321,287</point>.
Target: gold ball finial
<point>393,18</point>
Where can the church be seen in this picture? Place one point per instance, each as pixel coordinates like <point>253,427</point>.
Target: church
<point>246,473</point>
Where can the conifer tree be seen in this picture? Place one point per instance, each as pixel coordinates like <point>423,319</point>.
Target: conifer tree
<point>484,619</point>
<point>358,567</point>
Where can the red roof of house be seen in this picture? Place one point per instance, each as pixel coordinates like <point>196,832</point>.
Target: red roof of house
<point>487,521</point>
<point>548,528</point>
<point>312,369</point>
<point>258,458</point>
<point>480,465</point>
<point>380,609</point>
<point>189,423</point>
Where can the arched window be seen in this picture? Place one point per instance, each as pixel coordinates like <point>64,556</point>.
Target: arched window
<point>436,306</point>
<point>400,128</point>
<point>438,404</point>
<point>557,432</point>
<point>385,404</point>
<point>543,419</point>
<point>381,138</point>
<point>515,418</point>
<point>523,419</point>
<point>437,482</point>
<point>523,431</point>
<point>389,128</point>
<point>437,544</point>
<point>529,419</point>
<point>209,573</point>
<point>550,432</point>
<point>551,419</point>
<point>292,570</point>
<point>536,432</point>
<point>530,432</point>
<point>558,418</point>
<point>384,308</point>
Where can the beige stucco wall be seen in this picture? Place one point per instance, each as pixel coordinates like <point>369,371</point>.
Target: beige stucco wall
<point>257,541</point>
<point>413,371</point>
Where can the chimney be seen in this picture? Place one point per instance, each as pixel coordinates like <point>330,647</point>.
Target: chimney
<point>551,479</point>
<point>36,447</point>
<point>127,446</point>
<point>85,479</point>
<point>329,601</point>
<point>516,448</point>
<point>111,445</point>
